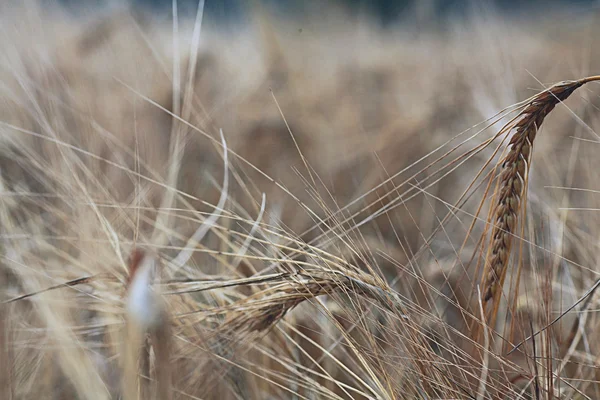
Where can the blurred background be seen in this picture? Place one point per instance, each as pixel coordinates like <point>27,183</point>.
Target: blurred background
<point>382,11</point>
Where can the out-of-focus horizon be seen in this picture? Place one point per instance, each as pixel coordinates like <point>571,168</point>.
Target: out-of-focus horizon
<point>384,12</point>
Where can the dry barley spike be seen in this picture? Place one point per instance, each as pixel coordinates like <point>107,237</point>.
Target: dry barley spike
<point>513,177</point>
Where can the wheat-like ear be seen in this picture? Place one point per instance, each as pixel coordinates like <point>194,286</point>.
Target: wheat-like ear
<point>513,180</point>
<point>146,315</point>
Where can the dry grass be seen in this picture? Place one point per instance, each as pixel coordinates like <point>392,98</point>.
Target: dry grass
<point>323,213</point>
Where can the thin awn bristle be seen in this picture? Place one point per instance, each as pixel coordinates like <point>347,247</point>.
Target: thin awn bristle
<point>513,180</point>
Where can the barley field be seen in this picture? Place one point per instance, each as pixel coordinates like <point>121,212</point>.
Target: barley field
<point>298,207</point>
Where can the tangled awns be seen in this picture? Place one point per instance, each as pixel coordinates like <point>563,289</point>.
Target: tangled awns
<point>307,207</point>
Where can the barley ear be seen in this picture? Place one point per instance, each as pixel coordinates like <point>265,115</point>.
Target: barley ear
<point>514,169</point>
<point>146,316</point>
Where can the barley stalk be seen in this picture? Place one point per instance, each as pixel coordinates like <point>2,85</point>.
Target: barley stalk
<point>513,178</point>
<point>145,315</point>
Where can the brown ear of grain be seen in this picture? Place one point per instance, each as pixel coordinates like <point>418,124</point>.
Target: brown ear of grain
<point>513,180</point>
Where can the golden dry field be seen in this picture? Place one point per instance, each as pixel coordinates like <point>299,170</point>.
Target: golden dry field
<point>309,207</point>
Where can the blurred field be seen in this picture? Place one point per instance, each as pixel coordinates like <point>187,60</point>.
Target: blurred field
<point>336,252</point>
